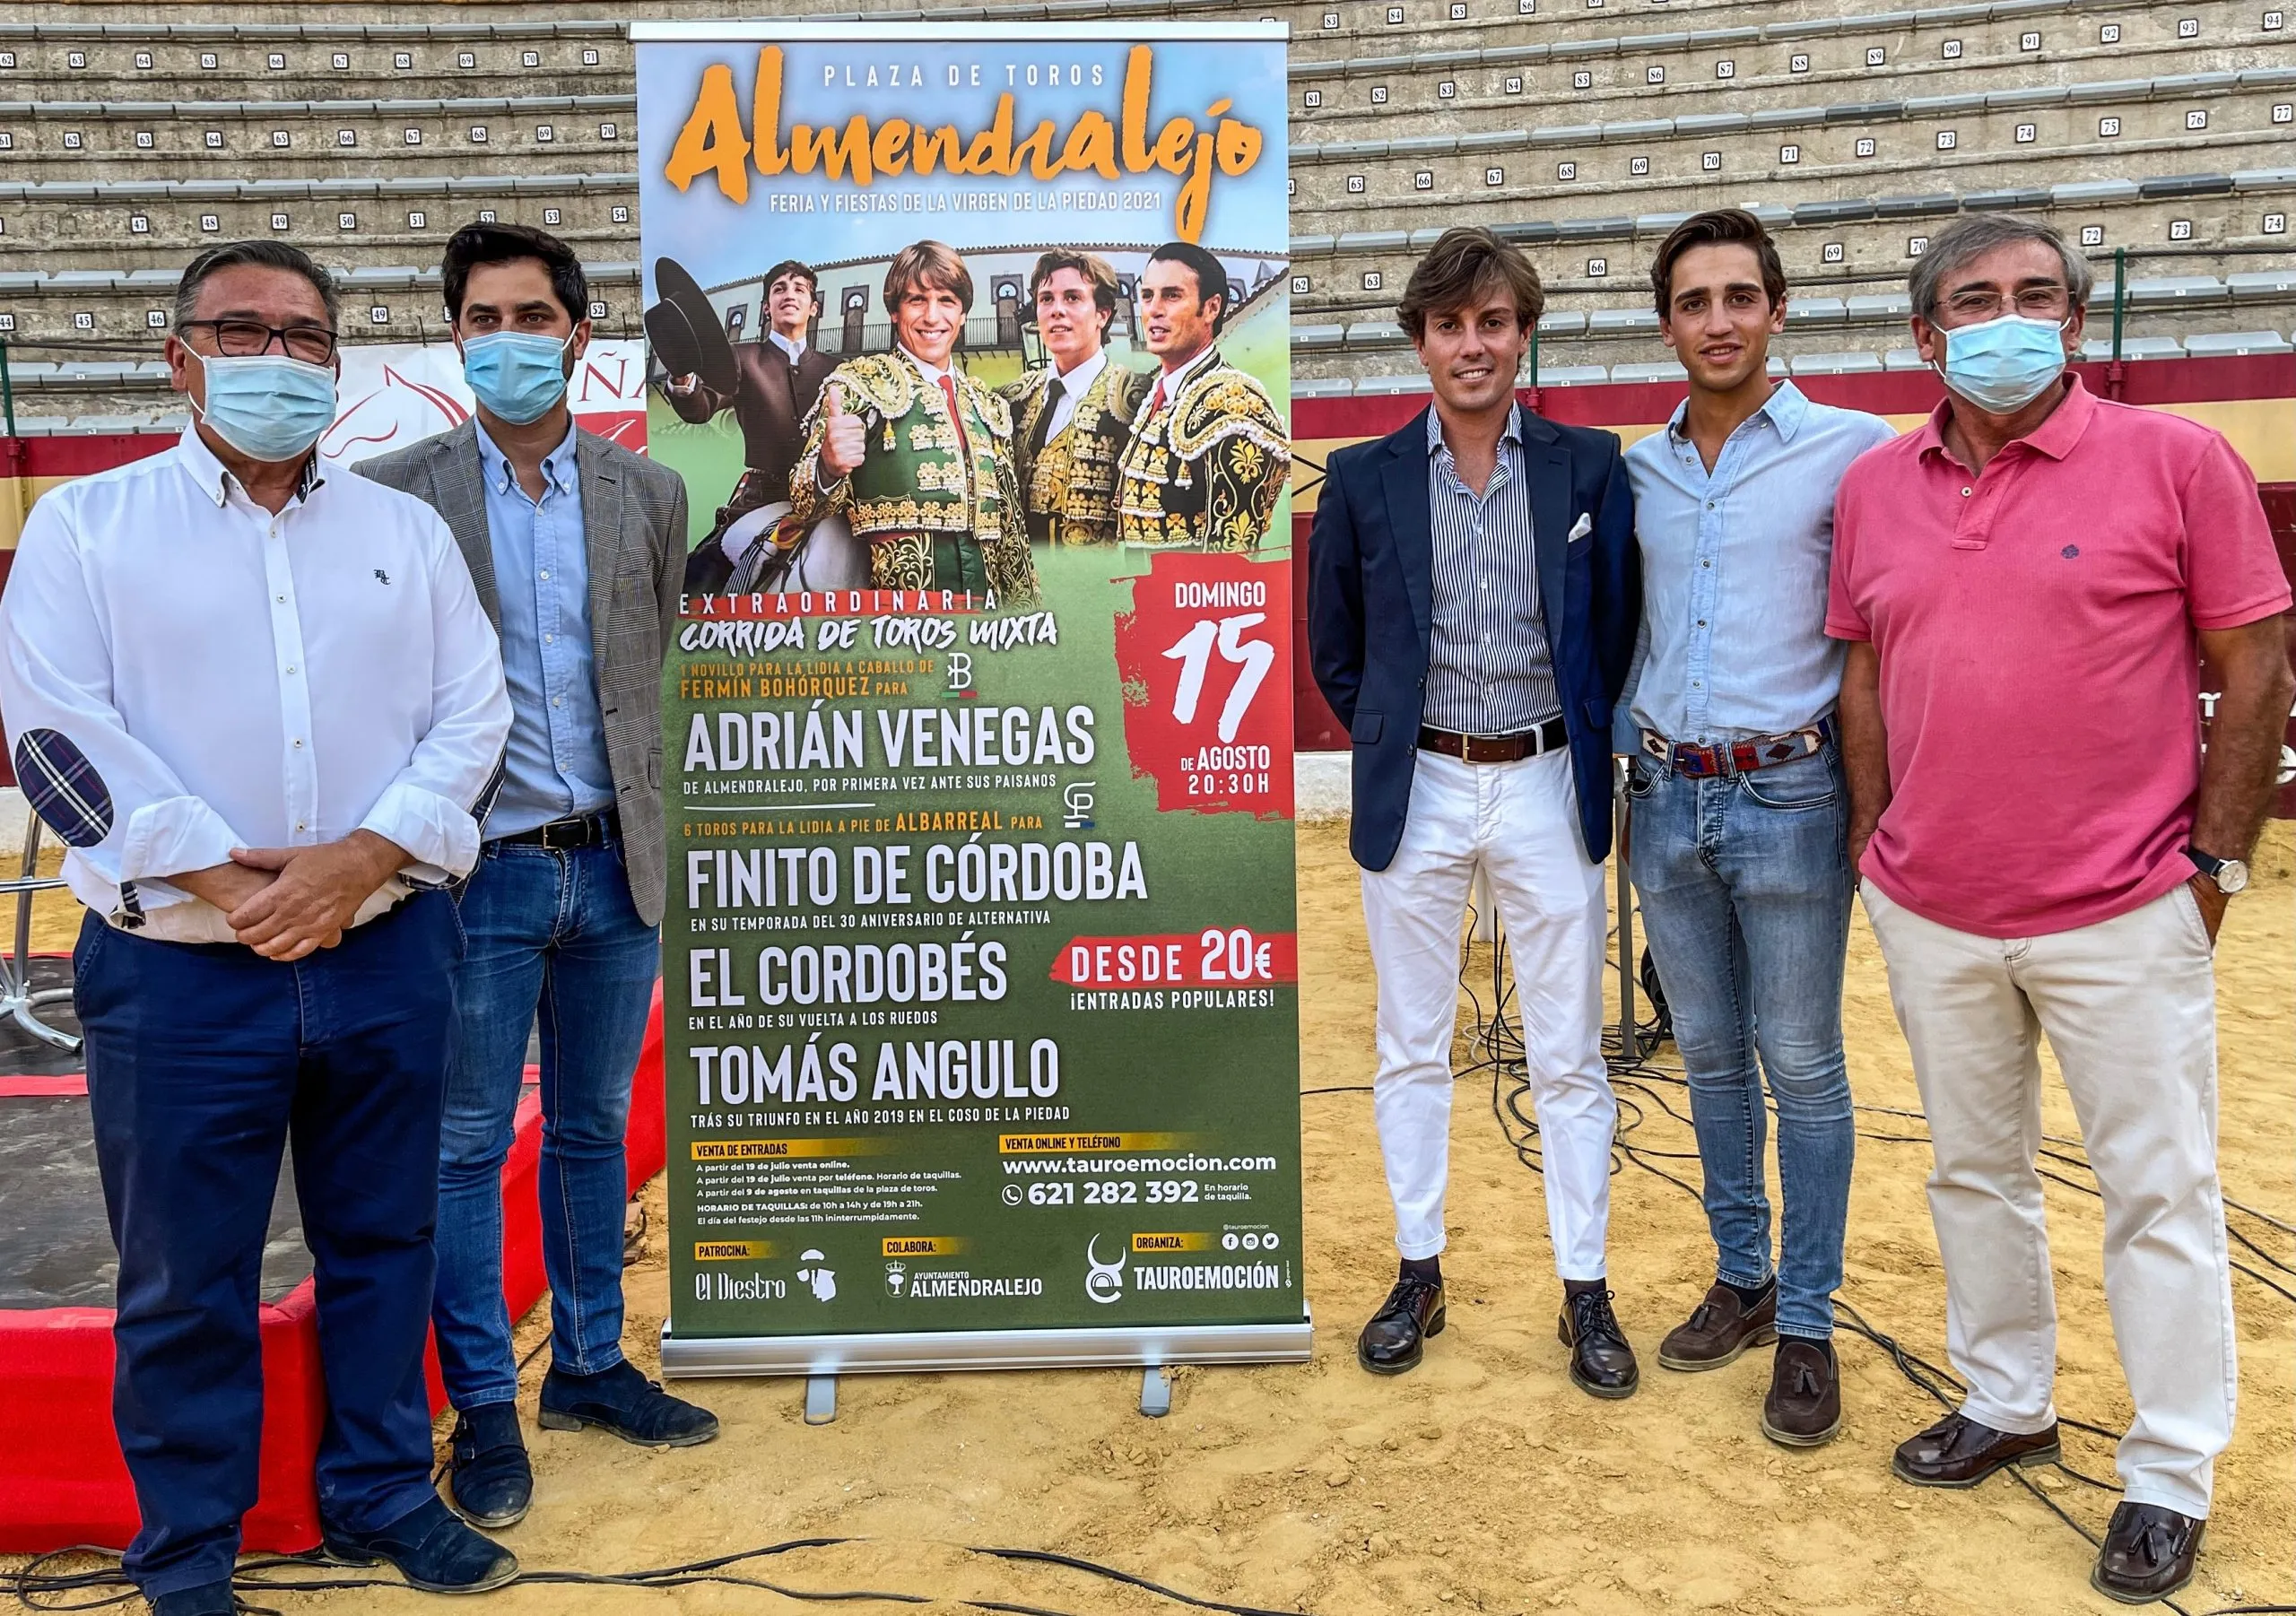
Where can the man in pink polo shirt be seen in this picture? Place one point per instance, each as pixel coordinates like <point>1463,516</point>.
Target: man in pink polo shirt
<point>2028,584</point>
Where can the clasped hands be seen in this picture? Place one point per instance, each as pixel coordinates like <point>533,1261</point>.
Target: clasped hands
<point>286,903</point>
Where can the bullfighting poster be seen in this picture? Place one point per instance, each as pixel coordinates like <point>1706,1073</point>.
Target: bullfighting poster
<point>981,973</point>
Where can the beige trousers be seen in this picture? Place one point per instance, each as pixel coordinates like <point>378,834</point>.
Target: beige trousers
<point>2129,1006</point>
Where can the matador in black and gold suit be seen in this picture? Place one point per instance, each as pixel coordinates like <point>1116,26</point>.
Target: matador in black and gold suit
<point>1068,483</point>
<point>1207,460</point>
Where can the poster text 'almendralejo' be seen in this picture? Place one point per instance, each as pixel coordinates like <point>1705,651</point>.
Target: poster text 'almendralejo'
<point>715,141</point>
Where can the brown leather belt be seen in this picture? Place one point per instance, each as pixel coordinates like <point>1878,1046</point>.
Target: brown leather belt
<point>1698,762</point>
<point>1495,749</point>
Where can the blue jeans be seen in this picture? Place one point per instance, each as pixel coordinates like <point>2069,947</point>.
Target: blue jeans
<point>553,932</point>
<point>204,1061</point>
<point>1745,888</point>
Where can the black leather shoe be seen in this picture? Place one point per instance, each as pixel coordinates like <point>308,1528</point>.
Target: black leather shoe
<point>431,1547</point>
<point>1959,1452</point>
<point>1396,1338</point>
<point>1602,1364</point>
<point>489,1482</point>
<point>212,1599</point>
<point>2149,1554</point>
<point>623,1401</point>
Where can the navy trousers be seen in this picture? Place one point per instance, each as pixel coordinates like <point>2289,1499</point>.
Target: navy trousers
<point>202,1062</point>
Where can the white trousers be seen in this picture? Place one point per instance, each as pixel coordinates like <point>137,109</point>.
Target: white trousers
<point>1517,823</point>
<point>2129,1006</point>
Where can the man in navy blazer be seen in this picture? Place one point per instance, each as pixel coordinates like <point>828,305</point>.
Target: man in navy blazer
<point>1473,595</point>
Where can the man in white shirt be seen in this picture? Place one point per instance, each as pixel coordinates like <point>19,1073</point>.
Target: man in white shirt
<point>259,703</point>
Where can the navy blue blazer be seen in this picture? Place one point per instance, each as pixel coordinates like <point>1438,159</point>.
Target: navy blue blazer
<point>1370,585</point>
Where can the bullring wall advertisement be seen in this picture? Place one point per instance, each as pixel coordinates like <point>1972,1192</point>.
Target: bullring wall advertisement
<point>980,967</point>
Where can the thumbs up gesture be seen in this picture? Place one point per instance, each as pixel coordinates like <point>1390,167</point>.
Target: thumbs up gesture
<point>844,437</point>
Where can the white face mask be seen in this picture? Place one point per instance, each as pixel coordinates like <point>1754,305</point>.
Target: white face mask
<point>2003,364</point>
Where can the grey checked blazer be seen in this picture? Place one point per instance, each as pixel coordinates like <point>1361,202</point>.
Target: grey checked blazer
<point>634,521</point>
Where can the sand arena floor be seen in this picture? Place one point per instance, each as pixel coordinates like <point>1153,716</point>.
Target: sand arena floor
<point>1484,1481</point>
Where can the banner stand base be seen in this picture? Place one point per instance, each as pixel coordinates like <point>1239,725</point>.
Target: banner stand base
<point>820,1399</point>
<point>823,1358</point>
<point>1155,1392</point>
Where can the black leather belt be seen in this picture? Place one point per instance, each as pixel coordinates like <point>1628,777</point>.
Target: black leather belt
<point>1495,749</point>
<point>561,836</point>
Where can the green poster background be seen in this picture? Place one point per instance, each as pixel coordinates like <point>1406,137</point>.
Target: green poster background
<point>1153,1179</point>
<point>1205,1100</point>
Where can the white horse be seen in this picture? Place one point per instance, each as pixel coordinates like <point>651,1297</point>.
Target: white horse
<point>828,557</point>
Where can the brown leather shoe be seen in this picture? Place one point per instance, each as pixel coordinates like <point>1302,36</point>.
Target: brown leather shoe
<point>1803,1408</point>
<point>1719,1329</point>
<point>2148,1554</point>
<point>1959,1452</point>
<point>1395,1340</point>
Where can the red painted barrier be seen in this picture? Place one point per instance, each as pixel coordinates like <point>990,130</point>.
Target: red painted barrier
<point>62,1479</point>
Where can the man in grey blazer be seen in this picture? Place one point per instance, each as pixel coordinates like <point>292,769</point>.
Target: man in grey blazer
<point>578,550</point>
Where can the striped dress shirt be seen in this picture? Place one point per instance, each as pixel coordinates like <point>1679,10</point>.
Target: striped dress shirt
<point>1490,671</point>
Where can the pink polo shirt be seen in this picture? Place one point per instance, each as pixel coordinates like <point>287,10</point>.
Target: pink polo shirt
<point>2040,673</point>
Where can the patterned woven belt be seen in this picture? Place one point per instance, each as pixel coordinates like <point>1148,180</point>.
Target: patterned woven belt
<point>1698,762</point>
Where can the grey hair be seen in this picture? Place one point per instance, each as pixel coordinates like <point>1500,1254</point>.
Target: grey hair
<point>1975,236</point>
<point>261,254</point>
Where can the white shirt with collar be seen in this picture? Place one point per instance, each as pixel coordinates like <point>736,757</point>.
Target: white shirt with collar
<point>932,373</point>
<point>1073,385</point>
<point>185,674</point>
<point>1167,383</point>
<point>794,346</point>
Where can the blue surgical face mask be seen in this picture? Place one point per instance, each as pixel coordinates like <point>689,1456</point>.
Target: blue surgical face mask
<point>2003,364</point>
<point>266,405</point>
<point>518,376</point>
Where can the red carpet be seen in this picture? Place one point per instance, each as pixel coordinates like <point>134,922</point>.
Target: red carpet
<point>62,1479</point>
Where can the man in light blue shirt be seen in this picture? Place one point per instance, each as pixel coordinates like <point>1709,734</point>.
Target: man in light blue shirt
<point>578,550</point>
<point>1737,806</point>
<point>555,766</point>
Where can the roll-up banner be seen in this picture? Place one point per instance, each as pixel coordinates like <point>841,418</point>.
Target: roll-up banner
<point>981,973</point>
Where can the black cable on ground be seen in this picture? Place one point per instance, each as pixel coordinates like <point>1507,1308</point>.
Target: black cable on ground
<point>1629,1068</point>
<point>35,1588</point>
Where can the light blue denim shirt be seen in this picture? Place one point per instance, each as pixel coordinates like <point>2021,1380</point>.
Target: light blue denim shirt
<point>1735,565</point>
<point>557,764</point>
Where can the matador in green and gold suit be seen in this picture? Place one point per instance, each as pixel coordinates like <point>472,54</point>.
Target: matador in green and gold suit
<point>935,500</point>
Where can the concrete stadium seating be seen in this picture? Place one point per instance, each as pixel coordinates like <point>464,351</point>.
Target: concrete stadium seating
<point>127,55</point>
<point>381,303</point>
<point>258,139</point>
<point>1582,129</point>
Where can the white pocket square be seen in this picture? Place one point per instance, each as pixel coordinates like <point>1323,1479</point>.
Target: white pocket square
<point>1579,529</point>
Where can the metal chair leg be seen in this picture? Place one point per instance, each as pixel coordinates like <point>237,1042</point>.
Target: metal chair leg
<point>17,999</point>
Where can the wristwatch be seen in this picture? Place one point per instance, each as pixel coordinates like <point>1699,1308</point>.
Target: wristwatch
<point>2230,874</point>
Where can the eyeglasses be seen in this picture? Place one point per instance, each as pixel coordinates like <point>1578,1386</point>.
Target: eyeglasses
<point>2034,303</point>
<point>241,339</point>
